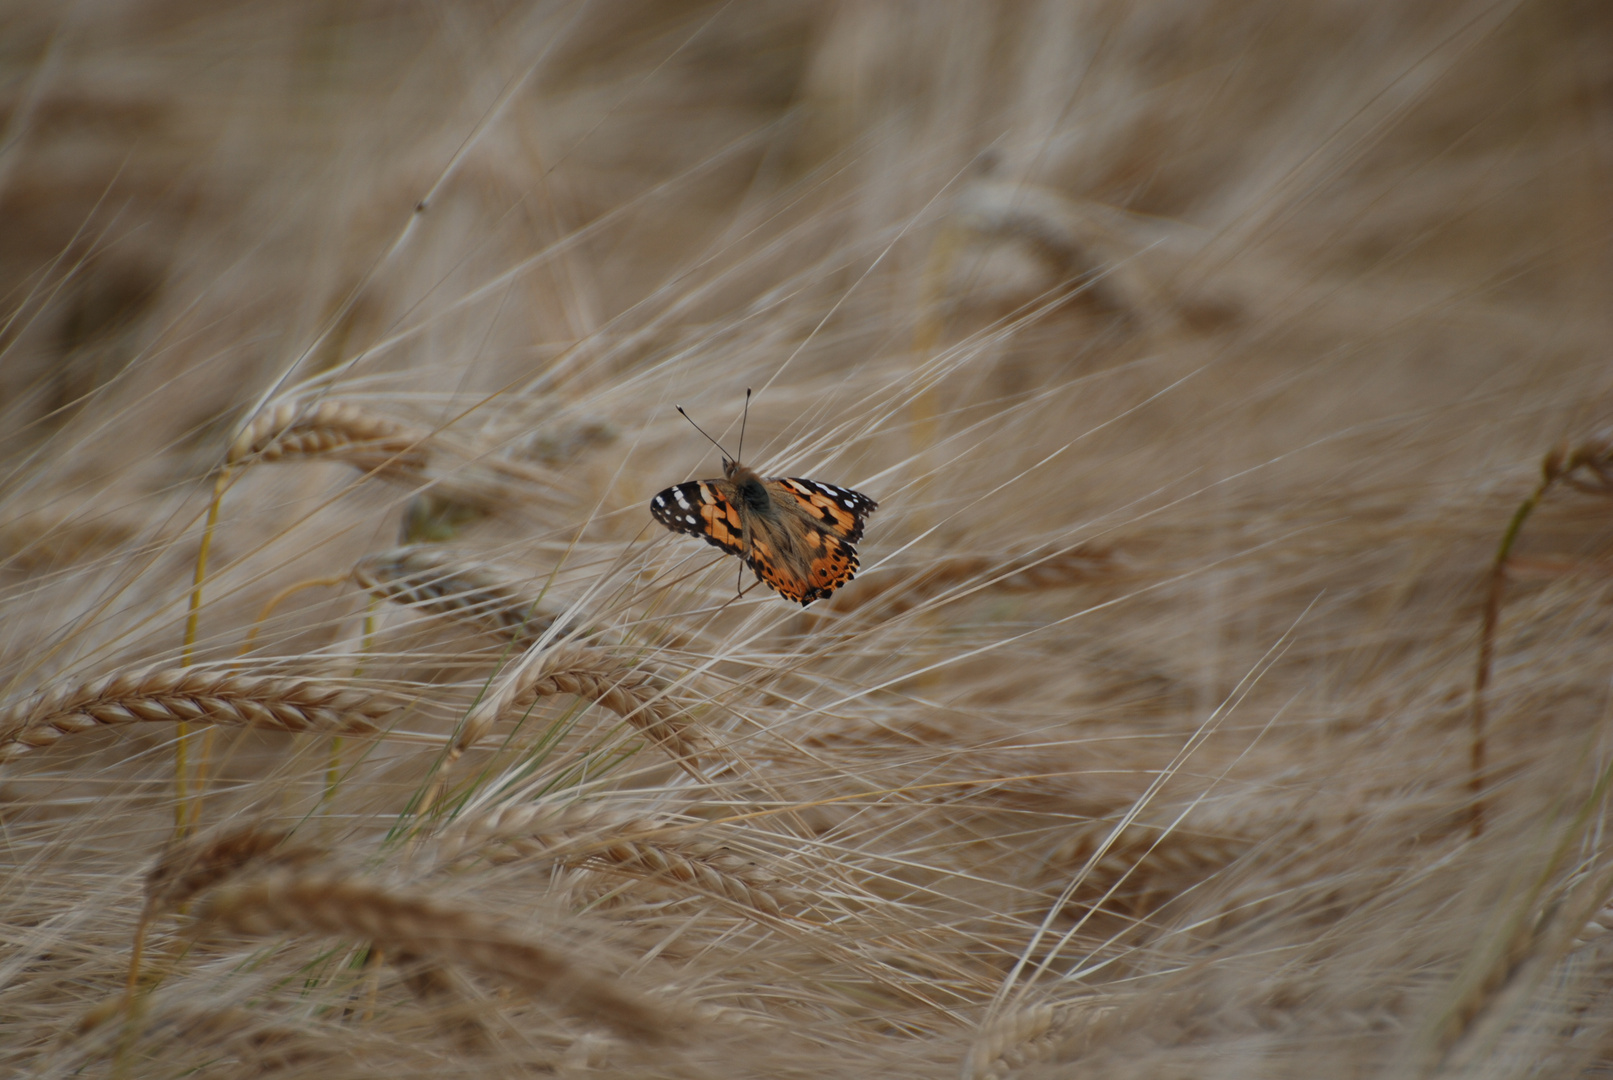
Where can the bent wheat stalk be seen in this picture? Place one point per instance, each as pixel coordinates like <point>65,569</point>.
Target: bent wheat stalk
<point>1594,457</point>
<point>193,696</point>
<point>333,905</point>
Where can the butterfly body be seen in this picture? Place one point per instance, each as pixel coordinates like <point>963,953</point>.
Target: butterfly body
<point>797,535</point>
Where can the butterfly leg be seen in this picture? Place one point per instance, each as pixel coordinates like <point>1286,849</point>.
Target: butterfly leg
<point>745,552</point>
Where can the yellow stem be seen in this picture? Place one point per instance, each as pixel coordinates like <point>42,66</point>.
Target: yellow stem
<point>926,406</point>
<point>333,764</point>
<point>1477,746</point>
<point>183,814</point>
<point>278,598</point>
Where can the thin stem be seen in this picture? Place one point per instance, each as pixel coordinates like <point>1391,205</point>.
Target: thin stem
<point>184,816</point>
<point>926,407</point>
<point>280,597</point>
<point>333,764</point>
<point>1481,678</point>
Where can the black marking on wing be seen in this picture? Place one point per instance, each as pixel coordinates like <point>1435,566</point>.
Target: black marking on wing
<point>841,510</point>
<point>699,509</point>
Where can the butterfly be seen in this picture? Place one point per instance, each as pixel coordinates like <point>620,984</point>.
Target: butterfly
<point>797,535</point>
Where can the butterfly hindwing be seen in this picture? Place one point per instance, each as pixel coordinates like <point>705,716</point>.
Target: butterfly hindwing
<point>830,563</point>
<point>841,510</point>
<point>700,509</point>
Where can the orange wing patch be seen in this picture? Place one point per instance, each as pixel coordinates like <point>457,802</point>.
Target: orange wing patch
<point>778,574</point>
<point>840,510</point>
<point>836,566</point>
<point>831,566</point>
<point>699,509</point>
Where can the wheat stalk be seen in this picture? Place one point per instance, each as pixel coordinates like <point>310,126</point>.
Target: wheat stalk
<point>40,541</point>
<point>192,695</point>
<point>1065,234</point>
<point>405,924</point>
<point>442,583</point>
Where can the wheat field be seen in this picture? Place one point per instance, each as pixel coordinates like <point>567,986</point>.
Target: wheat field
<point>1224,691</point>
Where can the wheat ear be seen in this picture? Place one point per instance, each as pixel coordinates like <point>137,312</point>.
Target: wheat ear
<point>1141,870</point>
<point>192,695</point>
<point>634,694</point>
<point>1025,1037</point>
<point>43,541</point>
<point>335,429</point>
<point>441,582</point>
<point>284,901</point>
<point>289,429</point>
<point>1594,458</point>
<point>188,868</point>
<point>582,836</point>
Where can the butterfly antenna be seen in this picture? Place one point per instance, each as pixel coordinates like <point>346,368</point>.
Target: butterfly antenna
<point>743,420</point>
<point>702,431</point>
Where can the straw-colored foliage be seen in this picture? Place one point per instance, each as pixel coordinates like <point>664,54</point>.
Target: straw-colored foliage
<point>1223,688</point>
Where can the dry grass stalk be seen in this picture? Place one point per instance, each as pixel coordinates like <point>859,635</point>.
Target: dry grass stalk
<point>443,583</point>
<point>192,695</point>
<point>896,593</point>
<point>334,429</point>
<point>634,694</point>
<point>586,837</point>
<point>1587,467</point>
<point>418,926</point>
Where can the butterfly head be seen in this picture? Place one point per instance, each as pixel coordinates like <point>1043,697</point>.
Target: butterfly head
<point>749,485</point>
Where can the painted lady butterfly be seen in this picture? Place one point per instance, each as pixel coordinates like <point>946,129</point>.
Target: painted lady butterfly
<point>796,534</point>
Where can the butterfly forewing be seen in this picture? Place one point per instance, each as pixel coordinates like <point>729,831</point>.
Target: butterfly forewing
<point>700,509</point>
<point>841,510</point>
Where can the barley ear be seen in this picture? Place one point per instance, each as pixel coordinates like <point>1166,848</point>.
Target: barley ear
<point>632,693</point>
<point>401,923</point>
<point>192,696</point>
